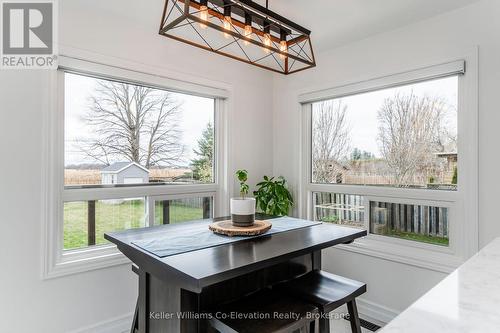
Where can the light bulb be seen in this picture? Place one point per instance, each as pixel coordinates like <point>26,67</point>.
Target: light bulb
<point>283,48</point>
<point>248,32</point>
<point>227,25</point>
<point>267,42</point>
<point>203,15</point>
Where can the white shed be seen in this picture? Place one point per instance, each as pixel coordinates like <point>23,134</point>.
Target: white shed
<point>124,173</point>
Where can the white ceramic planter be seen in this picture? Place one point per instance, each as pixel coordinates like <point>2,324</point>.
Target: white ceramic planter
<point>243,211</point>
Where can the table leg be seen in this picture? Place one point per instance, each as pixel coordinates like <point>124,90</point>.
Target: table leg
<point>135,322</point>
<point>143,301</point>
<point>316,260</point>
<point>159,305</point>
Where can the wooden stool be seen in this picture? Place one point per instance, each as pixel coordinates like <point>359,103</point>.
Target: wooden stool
<point>265,304</point>
<point>328,292</point>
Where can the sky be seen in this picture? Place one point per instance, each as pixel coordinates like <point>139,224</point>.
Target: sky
<point>362,109</point>
<point>196,112</point>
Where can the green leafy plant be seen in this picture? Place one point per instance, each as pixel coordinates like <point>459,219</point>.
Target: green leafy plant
<point>273,197</point>
<point>242,176</point>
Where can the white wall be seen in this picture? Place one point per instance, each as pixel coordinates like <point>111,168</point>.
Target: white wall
<point>426,43</point>
<point>29,304</point>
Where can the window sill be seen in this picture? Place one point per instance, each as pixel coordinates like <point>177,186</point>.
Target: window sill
<point>84,260</point>
<point>428,256</point>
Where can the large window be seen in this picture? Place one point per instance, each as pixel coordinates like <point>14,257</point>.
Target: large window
<point>120,134</point>
<point>395,156</point>
<point>403,137</point>
<point>127,149</point>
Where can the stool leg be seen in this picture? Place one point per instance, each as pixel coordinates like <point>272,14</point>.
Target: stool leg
<point>324,325</point>
<point>353,316</point>
<point>313,326</point>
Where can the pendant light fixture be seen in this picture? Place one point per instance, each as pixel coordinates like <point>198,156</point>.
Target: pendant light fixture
<point>242,30</point>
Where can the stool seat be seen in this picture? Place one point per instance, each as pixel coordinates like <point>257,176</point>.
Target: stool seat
<point>261,311</point>
<point>325,290</point>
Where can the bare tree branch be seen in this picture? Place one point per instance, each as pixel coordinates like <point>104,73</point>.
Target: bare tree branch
<point>331,141</point>
<point>410,133</point>
<point>133,123</point>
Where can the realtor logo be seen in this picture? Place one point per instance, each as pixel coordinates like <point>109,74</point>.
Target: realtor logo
<point>28,35</point>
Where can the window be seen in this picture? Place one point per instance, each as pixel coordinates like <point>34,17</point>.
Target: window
<point>85,222</point>
<point>420,223</point>
<point>133,150</point>
<point>399,137</point>
<point>343,209</point>
<point>393,156</point>
<point>428,224</point>
<point>122,134</point>
<point>181,210</point>
<point>404,136</point>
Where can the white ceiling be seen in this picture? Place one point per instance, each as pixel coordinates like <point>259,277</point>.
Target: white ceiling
<point>332,22</point>
<point>337,22</point>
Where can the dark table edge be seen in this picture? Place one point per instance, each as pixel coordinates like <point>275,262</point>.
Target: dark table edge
<point>194,284</point>
<point>209,280</point>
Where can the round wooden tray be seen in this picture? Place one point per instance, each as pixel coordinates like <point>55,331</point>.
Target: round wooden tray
<point>227,228</point>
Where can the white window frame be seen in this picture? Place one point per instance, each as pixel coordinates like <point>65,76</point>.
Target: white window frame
<point>462,204</point>
<point>57,261</point>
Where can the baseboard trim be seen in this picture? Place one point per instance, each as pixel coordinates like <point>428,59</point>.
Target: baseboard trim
<point>119,324</point>
<point>376,313</point>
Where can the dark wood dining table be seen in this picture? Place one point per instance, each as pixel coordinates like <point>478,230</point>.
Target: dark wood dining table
<point>177,291</point>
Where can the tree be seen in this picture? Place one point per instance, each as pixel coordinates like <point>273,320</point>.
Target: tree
<point>203,165</point>
<point>409,132</point>
<point>358,154</point>
<point>454,178</point>
<point>132,123</point>
<point>330,140</point>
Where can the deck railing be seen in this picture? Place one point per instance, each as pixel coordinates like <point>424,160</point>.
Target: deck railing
<point>167,212</point>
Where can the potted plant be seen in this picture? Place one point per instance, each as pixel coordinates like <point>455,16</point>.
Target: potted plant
<point>243,208</point>
<point>273,197</point>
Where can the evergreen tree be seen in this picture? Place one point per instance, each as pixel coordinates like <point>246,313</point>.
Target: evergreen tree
<point>358,154</point>
<point>454,179</point>
<point>203,165</point>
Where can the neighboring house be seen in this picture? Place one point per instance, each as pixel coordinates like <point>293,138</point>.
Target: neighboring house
<point>335,171</point>
<point>124,173</point>
<point>451,159</point>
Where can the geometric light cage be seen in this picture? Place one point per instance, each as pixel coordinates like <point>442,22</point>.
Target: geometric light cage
<point>242,30</point>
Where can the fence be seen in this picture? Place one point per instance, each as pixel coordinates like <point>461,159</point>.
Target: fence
<point>385,217</point>
<point>418,180</point>
<point>419,219</point>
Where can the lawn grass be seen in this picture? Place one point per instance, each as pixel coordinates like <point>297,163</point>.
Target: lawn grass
<point>419,238</point>
<point>114,215</point>
<point>394,233</point>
